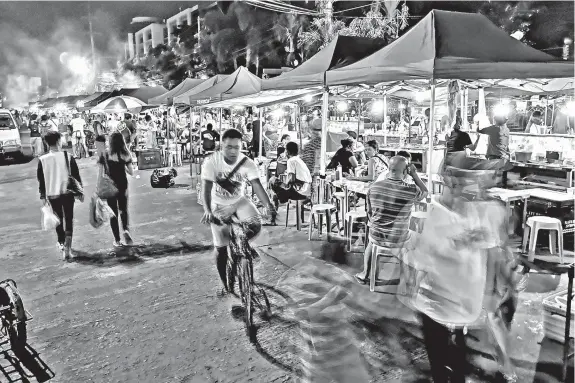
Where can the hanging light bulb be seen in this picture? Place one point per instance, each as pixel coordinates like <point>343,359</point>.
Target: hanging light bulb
<point>342,106</point>
<point>308,98</point>
<point>569,108</point>
<point>419,96</point>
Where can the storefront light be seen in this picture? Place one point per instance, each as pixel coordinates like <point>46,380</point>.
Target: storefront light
<point>342,106</point>
<point>419,96</point>
<point>501,110</point>
<point>278,113</point>
<point>377,107</point>
<point>308,98</point>
<point>569,108</point>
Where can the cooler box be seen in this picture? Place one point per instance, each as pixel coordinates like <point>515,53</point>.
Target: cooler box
<point>149,159</point>
<point>555,308</point>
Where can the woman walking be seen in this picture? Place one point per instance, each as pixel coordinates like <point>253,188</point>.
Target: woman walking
<point>54,170</point>
<point>116,163</point>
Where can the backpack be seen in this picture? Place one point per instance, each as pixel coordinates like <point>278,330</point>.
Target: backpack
<point>163,179</point>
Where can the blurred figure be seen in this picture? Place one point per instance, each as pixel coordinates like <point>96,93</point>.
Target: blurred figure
<point>35,136</point>
<point>444,275</point>
<point>535,124</point>
<point>100,132</point>
<point>78,126</point>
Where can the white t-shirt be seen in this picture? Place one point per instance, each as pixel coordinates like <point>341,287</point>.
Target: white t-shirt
<point>216,168</point>
<point>78,124</point>
<point>296,166</point>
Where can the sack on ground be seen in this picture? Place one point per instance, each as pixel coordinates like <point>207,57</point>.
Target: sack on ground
<point>49,219</point>
<point>162,178</point>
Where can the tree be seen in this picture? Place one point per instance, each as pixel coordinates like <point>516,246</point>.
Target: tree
<point>377,25</point>
<point>286,29</point>
<point>321,31</point>
<point>515,18</point>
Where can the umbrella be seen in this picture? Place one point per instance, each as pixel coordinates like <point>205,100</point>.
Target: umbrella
<point>119,104</point>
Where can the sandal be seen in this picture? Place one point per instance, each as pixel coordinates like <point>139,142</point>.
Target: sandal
<point>360,280</point>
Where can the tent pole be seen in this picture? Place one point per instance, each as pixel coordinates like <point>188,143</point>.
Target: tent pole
<point>546,106</point>
<point>385,119</point>
<point>553,114</point>
<point>359,116</point>
<point>190,137</point>
<point>430,142</point>
<point>462,101</point>
<point>220,120</point>
<point>324,116</point>
<point>168,136</point>
<point>261,132</point>
<point>298,122</point>
<point>465,121</point>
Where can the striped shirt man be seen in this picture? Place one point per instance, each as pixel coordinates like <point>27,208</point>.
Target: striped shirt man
<point>391,201</point>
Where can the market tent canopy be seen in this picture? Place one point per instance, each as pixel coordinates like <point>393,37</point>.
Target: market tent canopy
<point>181,88</point>
<point>145,93</point>
<point>93,101</point>
<point>341,51</point>
<point>266,97</point>
<point>452,45</point>
<point>185,97</point>
<point>238,84</point>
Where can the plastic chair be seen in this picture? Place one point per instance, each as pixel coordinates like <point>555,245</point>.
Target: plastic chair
<point>532,227</point>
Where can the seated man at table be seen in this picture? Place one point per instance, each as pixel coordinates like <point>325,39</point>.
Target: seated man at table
<point>298,183</point>
<point>389,204</point>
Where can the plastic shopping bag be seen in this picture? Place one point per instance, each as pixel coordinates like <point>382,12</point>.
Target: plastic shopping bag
<point>100,212</point>
<point>49,219</point>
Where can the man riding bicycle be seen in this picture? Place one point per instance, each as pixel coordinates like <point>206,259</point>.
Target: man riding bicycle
<point>78,135</point>
<point>224,177</point>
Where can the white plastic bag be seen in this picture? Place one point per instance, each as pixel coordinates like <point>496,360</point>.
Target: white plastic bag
<point>49,219</point>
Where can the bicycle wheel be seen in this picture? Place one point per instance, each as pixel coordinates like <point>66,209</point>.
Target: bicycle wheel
<point>247,295</point>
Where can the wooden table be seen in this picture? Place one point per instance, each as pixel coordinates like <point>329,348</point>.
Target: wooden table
<point>556,269</point>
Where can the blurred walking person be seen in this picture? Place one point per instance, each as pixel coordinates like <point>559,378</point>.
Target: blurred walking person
<point>54,170</point>
<point>35,136</point>
<point>116,162</point>
<point>100,132</point>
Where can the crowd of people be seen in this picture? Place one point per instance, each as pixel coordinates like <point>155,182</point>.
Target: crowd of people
<point>463,236</point>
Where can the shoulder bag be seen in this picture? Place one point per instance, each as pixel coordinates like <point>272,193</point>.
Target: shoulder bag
<point>106,188</point>
<point>73,186</point>
<point>227,184</point>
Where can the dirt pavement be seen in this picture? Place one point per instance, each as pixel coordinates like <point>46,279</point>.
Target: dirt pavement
<point>156,317</point>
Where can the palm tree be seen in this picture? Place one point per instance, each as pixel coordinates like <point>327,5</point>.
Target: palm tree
<point>286,29</point>
<point>377,25</point>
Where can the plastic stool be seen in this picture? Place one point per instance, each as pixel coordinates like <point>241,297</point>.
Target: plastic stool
<point>299,212</point>
<point>351,218</point>
<point>320,210</point>
<point>375,254</point>
<point>532,227</point>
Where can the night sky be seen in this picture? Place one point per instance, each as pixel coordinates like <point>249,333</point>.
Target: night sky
<point>33,34</point>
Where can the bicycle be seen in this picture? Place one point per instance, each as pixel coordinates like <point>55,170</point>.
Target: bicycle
<point>13,316</point>
<point>240,264</point>
<point>78,147</point>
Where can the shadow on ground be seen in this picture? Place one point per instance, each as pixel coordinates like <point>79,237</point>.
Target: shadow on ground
<point>136,254</point>
<point>21,364</point>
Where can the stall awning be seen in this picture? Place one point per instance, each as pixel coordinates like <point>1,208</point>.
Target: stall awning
<point>238,84</point>
<point>266,97</point>
<point>452,45</point>
<point>340,52</point>
<point>145,93</point>
<point>185,97</point>
<point>168,97</point>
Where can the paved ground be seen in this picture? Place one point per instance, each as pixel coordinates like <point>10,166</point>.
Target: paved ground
<point>156,317</point>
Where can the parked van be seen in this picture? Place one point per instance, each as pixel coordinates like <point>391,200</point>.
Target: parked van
<point>10,141</point>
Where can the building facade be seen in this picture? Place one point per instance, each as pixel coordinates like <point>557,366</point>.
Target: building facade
<point>155,33</point>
